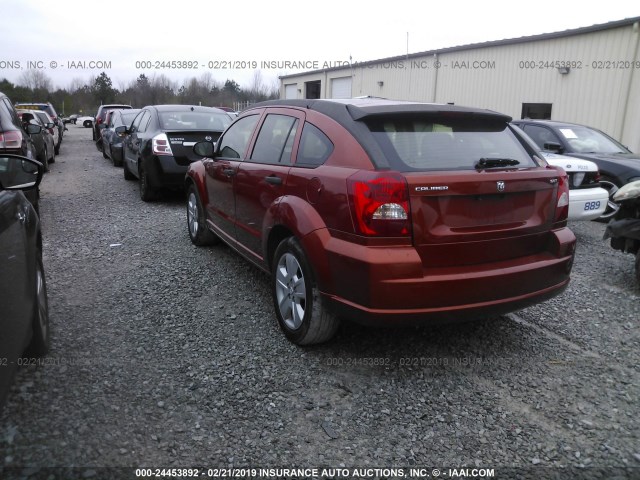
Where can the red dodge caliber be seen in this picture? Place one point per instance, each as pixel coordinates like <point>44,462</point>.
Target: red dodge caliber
<point>383,212</point>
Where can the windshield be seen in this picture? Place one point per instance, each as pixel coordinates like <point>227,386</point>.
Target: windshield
<point>447,144</point>
<point>586,140</point>
<point>194,121</point>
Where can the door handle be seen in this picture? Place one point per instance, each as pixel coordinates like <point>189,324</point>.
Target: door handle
<point>273,180</point>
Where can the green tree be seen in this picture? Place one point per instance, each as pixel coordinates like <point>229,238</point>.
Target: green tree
<point>103,90</point>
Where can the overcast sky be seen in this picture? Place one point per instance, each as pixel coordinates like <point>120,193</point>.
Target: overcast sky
<point>53,34</point>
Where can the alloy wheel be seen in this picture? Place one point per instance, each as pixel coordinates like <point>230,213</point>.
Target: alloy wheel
<point>291,291</point>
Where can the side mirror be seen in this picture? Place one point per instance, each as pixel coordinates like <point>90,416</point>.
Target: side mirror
<point>204,149</point>
<point>121,131</point>
<point>553,147</point>
<point>19,173</point>
<point>33,129</point>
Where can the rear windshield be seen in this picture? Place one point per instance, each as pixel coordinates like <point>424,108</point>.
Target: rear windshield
<point>423,143</point>
<point>194,120</point>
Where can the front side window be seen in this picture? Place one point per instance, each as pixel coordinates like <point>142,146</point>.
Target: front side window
<point>136,122</point>
<point>236,139</point>
<point>586,140</point>
<point>541,135</point>
<point>425,143</point>
<point>275,140</point>
<point>144,122</point>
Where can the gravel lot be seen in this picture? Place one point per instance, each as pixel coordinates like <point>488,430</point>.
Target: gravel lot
<point>165,355</point>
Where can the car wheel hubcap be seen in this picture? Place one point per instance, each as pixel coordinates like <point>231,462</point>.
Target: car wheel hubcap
<point>192,214</point>
<point>612,207</point>
<point>290,291</point>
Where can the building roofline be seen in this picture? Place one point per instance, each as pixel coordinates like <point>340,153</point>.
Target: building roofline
<point>492,43</point>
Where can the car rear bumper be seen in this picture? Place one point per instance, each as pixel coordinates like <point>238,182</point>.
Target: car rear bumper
<point>164,171</point>
<point>587,204</point>
<point>380,285</point>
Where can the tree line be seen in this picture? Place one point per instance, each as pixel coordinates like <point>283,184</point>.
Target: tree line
<point>84,97</point>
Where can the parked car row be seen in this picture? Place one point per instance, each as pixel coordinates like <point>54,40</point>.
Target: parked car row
<point>24,318</point>
<point>48,108</point>
<point>154,144</point>
<point>44,140</point>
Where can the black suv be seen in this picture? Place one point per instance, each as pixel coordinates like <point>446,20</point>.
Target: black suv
<point>99,124</point>
<point>13,139</point>
<point>47,107</point>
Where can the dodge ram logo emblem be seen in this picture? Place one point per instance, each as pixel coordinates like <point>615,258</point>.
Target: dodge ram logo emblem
<point>500,186</point>
<point>208,138</point>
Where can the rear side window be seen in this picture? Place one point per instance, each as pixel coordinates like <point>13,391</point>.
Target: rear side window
<point>236,138</point>
<point>425,143</point>
<point>275,140</point>
<point>315,147</point>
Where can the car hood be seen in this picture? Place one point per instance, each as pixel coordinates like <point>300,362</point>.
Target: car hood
<point>569,163</point>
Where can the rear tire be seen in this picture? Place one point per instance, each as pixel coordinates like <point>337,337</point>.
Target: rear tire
<point>301,311</point>
<point>199,233</point>
<point>127,174</point>
<point>39,344</point>
<point>45,159</point>
<point>147,192</point>
<point>116,162</point>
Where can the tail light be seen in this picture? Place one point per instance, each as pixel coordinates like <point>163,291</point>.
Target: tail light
<point>379,203</point>
<point>160,145</point>
<point>562,201</point>
<point>11,139</point>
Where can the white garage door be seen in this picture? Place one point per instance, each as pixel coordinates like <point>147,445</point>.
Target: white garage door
<point>291,91</point>
<point>341,87</point>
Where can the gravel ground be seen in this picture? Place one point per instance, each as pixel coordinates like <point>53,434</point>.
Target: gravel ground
<point>165,355</point>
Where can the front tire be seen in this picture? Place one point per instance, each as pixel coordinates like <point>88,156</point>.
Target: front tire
<point>199,233</point>
<point>301,312</point>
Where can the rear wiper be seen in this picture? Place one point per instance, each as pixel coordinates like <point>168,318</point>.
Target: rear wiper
<point>496,162</point>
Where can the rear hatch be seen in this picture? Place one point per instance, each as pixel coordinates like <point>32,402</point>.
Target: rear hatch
<point>477,193</point>
<point>478,217</point>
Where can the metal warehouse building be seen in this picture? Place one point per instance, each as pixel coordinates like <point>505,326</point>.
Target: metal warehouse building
<point>587,75</point>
